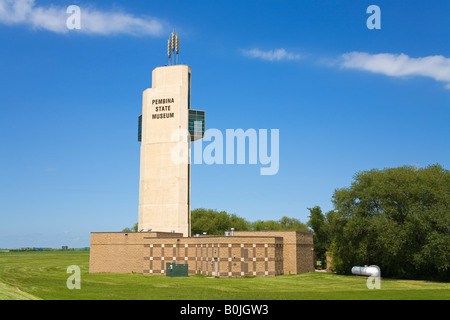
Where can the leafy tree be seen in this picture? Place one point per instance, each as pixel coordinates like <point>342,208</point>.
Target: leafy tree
<point>132,229</point>
<point>398,219</point>
<point>292,224</point>
<point>284,224</point>
<point>318,223</point>
<point>214,222</point>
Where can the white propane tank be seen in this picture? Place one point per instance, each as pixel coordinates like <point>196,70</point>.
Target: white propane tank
<point>368,271</point>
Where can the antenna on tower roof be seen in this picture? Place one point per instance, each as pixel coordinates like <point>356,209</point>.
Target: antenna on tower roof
<point>173,48</point>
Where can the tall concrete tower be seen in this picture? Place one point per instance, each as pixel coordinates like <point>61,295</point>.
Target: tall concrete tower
<point>165,172</point>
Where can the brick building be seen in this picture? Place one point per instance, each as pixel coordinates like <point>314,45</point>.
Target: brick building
<point>257,253</point>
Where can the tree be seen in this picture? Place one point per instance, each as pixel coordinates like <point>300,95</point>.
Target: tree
<point>318,223</point>
<point>133,228</point>
<point>398,219</point>
<point>214,222</point>
<point>284,224</point>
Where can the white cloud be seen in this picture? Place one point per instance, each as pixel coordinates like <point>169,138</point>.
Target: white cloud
<point>399,65</point>
<point>93,21</point>
<point>272,55</point>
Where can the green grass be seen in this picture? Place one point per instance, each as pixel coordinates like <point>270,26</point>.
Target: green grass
<point>42,275</point>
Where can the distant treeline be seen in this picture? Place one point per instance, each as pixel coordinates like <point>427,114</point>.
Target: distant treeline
<point>43,249</point>
<point>215,222</point>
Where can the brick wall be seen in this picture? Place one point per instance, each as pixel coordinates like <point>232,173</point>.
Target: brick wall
<point>298,249</point>
<point>216,256</point>
<point>116,252</point>
<point>246,253</point>
<point>305,252</point>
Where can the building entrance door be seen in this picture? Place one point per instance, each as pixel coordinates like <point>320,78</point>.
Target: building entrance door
<point>216,268</point>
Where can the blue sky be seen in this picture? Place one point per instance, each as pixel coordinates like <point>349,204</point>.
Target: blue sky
<point>344,98</point>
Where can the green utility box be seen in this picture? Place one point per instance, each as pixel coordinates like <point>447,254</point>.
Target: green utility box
<point>176,270</point>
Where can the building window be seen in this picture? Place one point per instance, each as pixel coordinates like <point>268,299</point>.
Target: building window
<point>196,124</point>
<point>189,90</point>
<point>140,128</point>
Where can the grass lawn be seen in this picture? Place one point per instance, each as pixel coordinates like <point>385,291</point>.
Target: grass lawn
<point>42,275</point>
